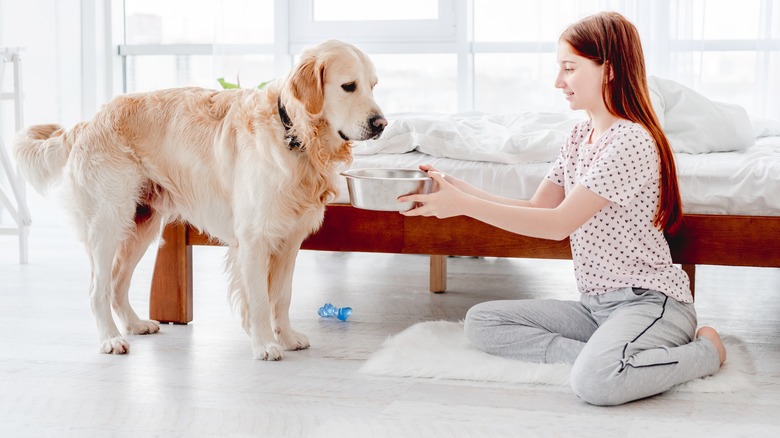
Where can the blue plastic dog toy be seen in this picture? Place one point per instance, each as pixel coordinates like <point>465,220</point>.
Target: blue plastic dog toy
<point>329,311</point>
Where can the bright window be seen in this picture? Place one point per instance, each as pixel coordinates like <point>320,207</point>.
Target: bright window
<point>417,83</point>
<point>508,82</point>
<point>154,72</point>
<point>453,55</point>
<point>512,20</point>
<point>199,22</point>
<point>359,10</point>
<point>372,22</point>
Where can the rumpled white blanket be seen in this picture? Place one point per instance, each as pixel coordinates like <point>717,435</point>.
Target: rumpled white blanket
<point>693,123</point>
<point>501,138</point>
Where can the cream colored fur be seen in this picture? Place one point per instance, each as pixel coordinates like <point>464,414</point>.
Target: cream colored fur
<point>219,160</point>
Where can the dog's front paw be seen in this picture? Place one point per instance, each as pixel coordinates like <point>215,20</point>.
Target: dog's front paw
<point>115,345</point>
<point>269,351</point>
<point>292,340</point>
<point>143,327</point>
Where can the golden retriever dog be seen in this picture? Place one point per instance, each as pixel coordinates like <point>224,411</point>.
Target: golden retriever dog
<point>252,168</point>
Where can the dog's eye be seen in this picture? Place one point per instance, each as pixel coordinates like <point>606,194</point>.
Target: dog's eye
<point>349,87</point>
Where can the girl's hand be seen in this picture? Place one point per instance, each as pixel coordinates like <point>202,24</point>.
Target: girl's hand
<point>444,200</point>
<point>449,178</point>
<point>427,168</point>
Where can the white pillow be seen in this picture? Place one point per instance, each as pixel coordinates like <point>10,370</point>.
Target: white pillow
<point>695,124</point>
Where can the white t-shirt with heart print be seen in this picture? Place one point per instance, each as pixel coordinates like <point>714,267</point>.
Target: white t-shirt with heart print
<point>619,247</point>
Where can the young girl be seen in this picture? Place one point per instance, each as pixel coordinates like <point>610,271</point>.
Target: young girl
<point>613,191</point>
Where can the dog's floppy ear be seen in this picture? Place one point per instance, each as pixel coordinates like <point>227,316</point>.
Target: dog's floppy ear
<point>307,82</point>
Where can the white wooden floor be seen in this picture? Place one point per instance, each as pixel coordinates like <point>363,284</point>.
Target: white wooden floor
<point>201,380</point>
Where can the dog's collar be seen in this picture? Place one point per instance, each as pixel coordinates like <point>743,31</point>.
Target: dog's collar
<point>285,118</point>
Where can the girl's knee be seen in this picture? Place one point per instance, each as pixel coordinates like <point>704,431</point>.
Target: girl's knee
<point>471,322</point>
<point>477,320</point>
<point>597,384</point>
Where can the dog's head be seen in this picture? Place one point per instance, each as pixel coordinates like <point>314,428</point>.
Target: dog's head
<point>334,81</point>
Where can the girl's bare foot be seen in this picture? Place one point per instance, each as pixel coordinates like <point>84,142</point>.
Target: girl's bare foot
<point>711,334</point>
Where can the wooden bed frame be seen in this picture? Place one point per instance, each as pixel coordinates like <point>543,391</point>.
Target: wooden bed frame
<point>702,239</point>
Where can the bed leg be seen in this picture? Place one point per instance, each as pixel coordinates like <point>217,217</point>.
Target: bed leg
<point>691,271</point>
<point>438,273</point>
<point>171,295</point>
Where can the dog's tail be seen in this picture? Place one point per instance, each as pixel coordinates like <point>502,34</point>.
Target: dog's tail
<point>41,155</point>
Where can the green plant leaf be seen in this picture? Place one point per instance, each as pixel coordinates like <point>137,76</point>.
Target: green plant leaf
<point>226,85</point>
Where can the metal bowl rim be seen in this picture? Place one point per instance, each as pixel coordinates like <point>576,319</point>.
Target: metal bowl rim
<point>348,174</point>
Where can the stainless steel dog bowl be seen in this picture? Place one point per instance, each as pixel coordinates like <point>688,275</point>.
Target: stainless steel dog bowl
<point>378,189</point>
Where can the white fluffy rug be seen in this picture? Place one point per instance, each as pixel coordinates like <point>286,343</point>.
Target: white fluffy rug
<point>440,350</point>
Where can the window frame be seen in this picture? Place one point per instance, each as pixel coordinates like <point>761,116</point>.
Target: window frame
<point>451,33</point>
<point>305,30</point>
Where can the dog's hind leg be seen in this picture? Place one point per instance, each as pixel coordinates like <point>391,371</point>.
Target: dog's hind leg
<point>147,227</point>
<point>280,293</point>
<point>103,199</point>
<point>102,244</point>
<point>248,268</point>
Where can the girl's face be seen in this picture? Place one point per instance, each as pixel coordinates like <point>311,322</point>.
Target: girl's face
<point>580,79</point>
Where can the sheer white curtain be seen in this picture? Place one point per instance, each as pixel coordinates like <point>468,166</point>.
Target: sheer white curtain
<point>727,50</point>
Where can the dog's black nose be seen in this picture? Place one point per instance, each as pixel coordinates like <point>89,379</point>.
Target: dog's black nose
<point>377,124</point>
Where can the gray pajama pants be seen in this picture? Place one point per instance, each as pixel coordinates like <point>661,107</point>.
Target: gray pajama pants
<point>623,345</point>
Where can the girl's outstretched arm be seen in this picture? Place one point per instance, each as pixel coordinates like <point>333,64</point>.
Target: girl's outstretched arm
<point>554,221</point>
<point>547,194</point>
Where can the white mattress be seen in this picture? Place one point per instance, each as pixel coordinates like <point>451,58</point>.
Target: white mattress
<point>739,183</point>
<point>736,183</point>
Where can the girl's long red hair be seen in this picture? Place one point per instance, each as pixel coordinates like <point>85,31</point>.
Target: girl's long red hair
<point>611,40</point>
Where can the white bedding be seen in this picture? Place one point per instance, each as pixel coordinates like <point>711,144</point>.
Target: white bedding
<point>693,123</point>
<point>726,162</point>
<point>744,182</point>
<point>499,138</point>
